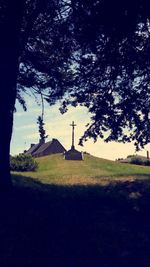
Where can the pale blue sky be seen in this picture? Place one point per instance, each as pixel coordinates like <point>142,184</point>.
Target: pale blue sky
<point>58,126</point>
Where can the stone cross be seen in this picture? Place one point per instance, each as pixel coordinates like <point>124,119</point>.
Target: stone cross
<point>73,125</point>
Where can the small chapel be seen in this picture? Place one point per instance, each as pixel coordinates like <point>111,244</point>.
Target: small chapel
<point>73,154</point>
<point>45,148</point>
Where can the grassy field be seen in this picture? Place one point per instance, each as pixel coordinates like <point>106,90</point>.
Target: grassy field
<point>93,213</point>
<point>55,170</point>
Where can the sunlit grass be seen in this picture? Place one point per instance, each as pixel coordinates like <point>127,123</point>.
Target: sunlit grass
<point>55,170</point>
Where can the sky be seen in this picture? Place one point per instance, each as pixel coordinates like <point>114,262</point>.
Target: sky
<point>25,131</point>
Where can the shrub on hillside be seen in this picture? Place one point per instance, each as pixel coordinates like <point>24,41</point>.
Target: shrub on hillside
<point>147,163</point>
<point>137,161</point>
<point>23,162</point>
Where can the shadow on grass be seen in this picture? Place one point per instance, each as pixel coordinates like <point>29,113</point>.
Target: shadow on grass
<point>48,225</point>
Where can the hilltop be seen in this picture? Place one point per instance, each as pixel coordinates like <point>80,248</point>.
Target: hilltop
<point>54,169</point>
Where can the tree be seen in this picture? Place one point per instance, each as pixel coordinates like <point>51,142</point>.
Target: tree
<point>10,20</point>
<point>96,53</point>
<point>112,71</point>
<point>42,132</point>
<point>34,52</point>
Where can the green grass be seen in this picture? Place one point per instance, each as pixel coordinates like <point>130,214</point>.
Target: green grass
<point>97,220</point>
<point>55,170</point>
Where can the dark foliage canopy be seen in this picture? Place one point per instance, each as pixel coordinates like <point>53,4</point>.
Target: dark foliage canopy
<point>93,53</point>
<point>112,69</point>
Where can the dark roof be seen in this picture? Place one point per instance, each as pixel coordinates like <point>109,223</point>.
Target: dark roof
<point>33,149</point>
<point>43,147</point>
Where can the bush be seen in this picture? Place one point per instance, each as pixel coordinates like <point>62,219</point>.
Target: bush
<point>147,163</point>
<point>137,161</point>
<point>23,162</point>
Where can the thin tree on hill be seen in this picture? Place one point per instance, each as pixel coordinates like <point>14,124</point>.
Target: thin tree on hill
<point>95,52</point>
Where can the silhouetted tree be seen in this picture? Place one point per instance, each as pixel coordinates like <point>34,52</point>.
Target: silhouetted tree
<point>42,131</point>
<point>95,52</point>
<point>34,53</point>
<point>112,71</point>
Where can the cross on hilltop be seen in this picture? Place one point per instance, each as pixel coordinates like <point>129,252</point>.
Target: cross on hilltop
<point>73,126</point>
<point>73,154</point>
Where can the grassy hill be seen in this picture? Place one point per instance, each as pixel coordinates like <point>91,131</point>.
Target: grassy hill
<point>45,222</point>
<point>55,170</point>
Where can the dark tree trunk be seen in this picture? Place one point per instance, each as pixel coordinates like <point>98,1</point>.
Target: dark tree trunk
<point>10,26</point>
<point>7,103</point>
<point>5,138</point>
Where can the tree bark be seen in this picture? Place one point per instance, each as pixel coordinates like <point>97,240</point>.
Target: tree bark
<point>10,26</point>
<point>5,138</point>
<point>7,104</point>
